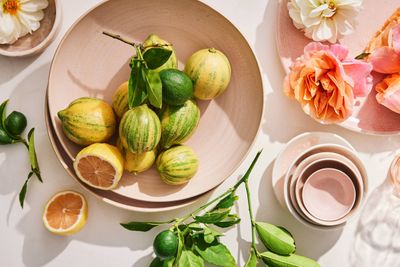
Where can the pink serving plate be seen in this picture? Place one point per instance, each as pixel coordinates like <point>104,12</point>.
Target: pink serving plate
<point>87,63</point>
<point>368,116</point>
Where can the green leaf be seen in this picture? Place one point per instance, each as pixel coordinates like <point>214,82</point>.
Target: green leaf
<point>136,92</point>
<point>252,261</point>
<point>189,259</point>
<point>141,226</point>
<point>5,139</point>
<point>3,114</point>
<point>156,57</point>
<point>229,221</point>
<point>168,262</point>
<point>22,193</point>
<point>32,154</point>
<point>275,238</point>
<point>362,56</point>
<point>153,86</point>
<point>213,216</point>
<point>215,253</point>
<point>196,226</point>
<point>181,241</point>
<point>227,201</point>
<point>293,260</point>
<point>211,234</point>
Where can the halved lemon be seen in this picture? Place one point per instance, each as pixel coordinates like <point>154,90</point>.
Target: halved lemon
<point>65,213</point>
<point>99,165</point>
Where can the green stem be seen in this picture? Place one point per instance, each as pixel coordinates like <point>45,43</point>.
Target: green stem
<point>201,208</point>
<point>244,179</point>
<point>247,174</point>
<point>253,223</point>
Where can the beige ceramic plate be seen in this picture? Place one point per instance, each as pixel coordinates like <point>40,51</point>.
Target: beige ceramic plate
<point>111,197</point>
<point>88,63</point>
<point>368,116</point>
<point>37,41</point>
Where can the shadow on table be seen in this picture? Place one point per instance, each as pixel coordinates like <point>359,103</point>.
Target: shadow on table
<point>18,65</point>
<point>28,96</point>
<point>306,238</point>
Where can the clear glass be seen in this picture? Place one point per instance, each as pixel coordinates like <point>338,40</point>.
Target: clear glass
<point>377,239</point>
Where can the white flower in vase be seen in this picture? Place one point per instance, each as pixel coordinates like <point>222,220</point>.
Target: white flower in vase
<point>324,20</point>
<point>19,17</point>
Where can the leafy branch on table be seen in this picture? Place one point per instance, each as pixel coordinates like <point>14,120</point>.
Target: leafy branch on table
<point>198,240</point>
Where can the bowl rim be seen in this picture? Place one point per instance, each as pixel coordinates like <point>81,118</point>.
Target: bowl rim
<point>45,42</point>
<point>252,54</point>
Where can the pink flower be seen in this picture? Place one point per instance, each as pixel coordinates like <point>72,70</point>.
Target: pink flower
<point>386,57</point>
<point>389,92</point>
<point>325,81</point>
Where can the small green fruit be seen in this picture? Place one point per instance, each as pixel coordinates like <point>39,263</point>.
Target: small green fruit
<point>16,123</point>
<point>177,87</point>
<point>166,245</point>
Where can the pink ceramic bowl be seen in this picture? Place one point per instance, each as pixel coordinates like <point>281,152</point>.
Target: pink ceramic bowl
<point>328,194</point>
<point>293,149</point>
<point>87,63</point>
<point>289,193</point>
<point>330,160</point>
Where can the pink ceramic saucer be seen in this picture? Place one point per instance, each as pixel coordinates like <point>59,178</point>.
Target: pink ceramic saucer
<point>329,194</point>
<point>368,116</point>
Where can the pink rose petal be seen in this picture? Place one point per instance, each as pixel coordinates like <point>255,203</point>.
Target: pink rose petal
<point>340,51</point>
<point>391,101</point>
<point>360,74</point>
<point>385,60</point>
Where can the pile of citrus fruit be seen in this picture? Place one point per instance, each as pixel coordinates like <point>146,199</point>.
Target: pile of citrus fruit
<point>145,134</point>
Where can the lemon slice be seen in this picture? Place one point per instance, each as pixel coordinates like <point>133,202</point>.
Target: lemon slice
<point>65,213</point>
<point>99,165</point>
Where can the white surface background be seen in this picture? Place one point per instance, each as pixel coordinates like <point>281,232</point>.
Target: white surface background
<point>25,242</point>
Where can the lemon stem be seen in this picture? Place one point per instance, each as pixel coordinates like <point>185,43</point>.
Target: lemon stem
<point>118,37</point>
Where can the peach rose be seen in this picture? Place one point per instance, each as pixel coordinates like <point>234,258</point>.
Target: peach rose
<point>389,92</point>
<point>324,81</point>
<point>385,47</point>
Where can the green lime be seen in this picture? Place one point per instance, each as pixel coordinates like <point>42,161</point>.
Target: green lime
<point>165,245</point>
<point>4,138</point>
<point>16,123</point>
<point>177,87</point>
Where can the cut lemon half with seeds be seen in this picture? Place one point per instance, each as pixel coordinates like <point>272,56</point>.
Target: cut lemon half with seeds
<point>65,213</point>
<point>99,165</point>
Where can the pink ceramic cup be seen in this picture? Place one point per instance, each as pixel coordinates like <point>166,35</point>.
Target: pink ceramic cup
<point>329,194</point>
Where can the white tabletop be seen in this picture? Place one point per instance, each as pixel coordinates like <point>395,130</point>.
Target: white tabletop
<point>25,241</point>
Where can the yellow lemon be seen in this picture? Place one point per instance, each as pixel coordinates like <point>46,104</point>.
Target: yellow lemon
<point>99,165</point>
